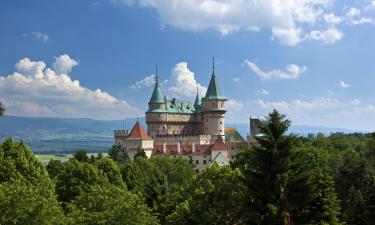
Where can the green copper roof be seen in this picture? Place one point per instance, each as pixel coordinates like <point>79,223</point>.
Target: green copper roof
<point>157,95</point>
<point>176,106</point>
<point>213,91</point>
<point>197,101</point>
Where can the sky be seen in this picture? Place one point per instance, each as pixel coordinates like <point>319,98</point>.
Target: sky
<point>312,60</point>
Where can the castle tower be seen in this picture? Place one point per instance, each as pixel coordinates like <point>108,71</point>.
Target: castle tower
<point>214,108</point>
<point>156,106</point>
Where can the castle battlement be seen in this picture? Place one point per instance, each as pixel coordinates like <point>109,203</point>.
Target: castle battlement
<point>121,133</point>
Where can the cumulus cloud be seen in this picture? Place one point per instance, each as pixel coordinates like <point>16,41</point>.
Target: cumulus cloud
<point>329,36</point>
<point>35,90</point>
<point>148,81</point>
<point>343,84</point>
<point>292,71</point>
<point>332,19</point>
<point>183,83</point>
<point>63,64</point>
<point>287,20</point>
<point>236,79</point>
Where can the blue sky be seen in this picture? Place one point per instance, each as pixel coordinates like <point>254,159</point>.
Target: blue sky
<point>310,59</point>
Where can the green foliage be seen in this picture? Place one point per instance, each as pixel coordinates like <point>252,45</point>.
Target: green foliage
<point>77,178</point>
<point>118,154</point>
<point>18,163</point>
<point>213,197</point>
<point>26,204</point>
<point>109,205</point>
<point>54,167</point>
<point>81,156</point>
<point>140,153</point>
<point>111,170</point>
<point>26,191</point>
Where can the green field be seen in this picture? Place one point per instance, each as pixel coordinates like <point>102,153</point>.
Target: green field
<point>46,157</point>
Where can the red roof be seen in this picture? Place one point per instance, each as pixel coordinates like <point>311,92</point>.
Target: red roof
<point>138,132</point>
<point>219,144</point>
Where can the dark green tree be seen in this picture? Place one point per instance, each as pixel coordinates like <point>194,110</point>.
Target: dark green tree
<point>118,154</point>
<point>286,184</point>
<point>81,156</point>
<point>354,213</point>
<point>140,153</point>
<point>54,167</point>
<point>213,197</point>
<point>109,205</point>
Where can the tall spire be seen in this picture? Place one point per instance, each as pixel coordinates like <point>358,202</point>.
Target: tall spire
<point>156,74</point>
<point>157,95</point>
<point>213,91</point>
<point>213,66</point>
<point>197,101</point>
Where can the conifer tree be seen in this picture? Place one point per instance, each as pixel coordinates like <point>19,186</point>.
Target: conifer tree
<point>2,109</point>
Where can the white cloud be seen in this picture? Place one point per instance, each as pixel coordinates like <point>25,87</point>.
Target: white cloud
<point>148,81</point>
<point>183,83</point>
<point>263,92</point>
<point>40,36</point>
<point>332,19</point>
<point>236,79</point>
<point>34,90</point>
<point>235,105</point>
<point>287,19</point>
<point>343,84</point>
<point>63,64</point>
<point>352,12</point>
<point>290,36</point>
<point>362,20</point>
<point>292,71</point>
<point>329,36</point>
<point>370,6</point>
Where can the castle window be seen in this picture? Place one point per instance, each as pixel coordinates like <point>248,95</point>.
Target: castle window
<point>213,105</point>
<point>221,122</point>
<point>204,162</point>
<point>197,161</point>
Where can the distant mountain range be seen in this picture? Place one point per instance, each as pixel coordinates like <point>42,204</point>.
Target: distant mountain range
<point>66,134</point>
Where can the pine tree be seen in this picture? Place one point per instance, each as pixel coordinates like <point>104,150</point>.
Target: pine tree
<point>2,109</point>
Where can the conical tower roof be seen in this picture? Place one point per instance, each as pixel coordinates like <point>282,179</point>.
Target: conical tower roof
<point>157,95</point>
<point>213,91</point>
<point>138,131</point>
<point>197,101</point>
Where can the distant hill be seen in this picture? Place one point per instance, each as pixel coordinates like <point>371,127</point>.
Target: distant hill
<point>67,134</point>
<point>63,134</point>
<point>303,130</point>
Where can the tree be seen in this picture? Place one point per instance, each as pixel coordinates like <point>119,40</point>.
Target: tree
<point>118,154</point>
<point>140,153</point>
<point>266,167</point>
<point>22,203</point>
<point>354,213</point>
<point>77,178</point>
<point>18,163</point>
<point>81,156</point>
<point>26,191</point>
<point>213,197</point>
<point>111,170</point>
<point>109,205</point>
<point>285,184</point>
<point>2,109</point>
<point>54,167</point>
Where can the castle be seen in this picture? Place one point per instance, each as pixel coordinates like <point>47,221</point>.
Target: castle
<point>181,128</point>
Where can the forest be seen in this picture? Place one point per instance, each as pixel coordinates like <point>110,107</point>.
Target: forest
<point>281,180</point>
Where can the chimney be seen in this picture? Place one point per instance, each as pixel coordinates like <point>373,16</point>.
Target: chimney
<point>178,147</point>
<point>164,147</point>
<point>193,147</point>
